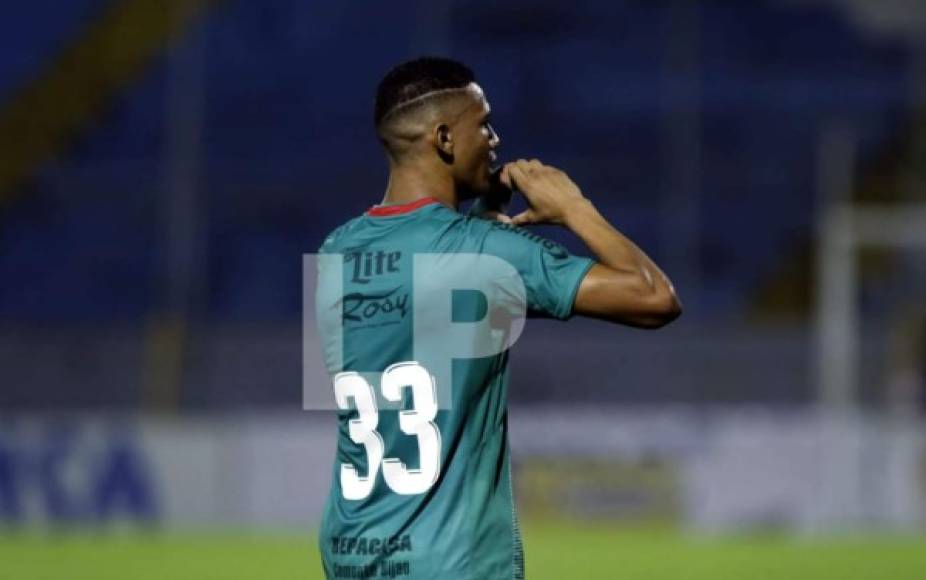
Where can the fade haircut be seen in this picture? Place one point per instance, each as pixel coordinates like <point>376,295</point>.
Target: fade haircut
<point>414,82</point>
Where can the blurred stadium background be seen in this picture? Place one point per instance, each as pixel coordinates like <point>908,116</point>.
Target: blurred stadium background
<point>164,165</point>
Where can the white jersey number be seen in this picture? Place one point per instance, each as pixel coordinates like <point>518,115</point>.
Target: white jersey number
<point>419,422</point>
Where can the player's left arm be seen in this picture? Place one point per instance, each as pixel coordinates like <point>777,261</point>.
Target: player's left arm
<point>625,286</point>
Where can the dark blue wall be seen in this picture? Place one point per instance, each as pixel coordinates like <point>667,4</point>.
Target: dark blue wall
<point>289,151</point>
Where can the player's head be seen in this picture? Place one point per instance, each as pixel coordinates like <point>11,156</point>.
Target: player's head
<point>431,111</point>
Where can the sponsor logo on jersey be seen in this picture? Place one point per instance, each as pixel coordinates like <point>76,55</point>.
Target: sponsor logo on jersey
<point>385,307</point>
<point>554,249</point>
<point>366,266</point>
<point>363,545</point>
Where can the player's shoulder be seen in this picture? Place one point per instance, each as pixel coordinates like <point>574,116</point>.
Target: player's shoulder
<point>492,236</point>
<point>461,232</point>
<point>440,228</point>
<point>505,237</point>
<point>336,237</point>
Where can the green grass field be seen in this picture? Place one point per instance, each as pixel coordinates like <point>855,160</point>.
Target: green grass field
<point>561,552</point>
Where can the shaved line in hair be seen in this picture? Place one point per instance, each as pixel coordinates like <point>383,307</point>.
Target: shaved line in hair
<point>423,97</point>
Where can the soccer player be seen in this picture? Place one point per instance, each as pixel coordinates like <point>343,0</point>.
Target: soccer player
<point>418,490</point>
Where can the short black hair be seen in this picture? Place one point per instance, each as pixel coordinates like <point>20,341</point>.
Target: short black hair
<point>415,78</point>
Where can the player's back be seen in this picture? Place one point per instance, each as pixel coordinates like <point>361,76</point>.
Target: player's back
<point>441,505</point>
<point>421,483</point>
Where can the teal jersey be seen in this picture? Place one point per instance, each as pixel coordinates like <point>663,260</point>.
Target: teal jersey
<point>421,489</point>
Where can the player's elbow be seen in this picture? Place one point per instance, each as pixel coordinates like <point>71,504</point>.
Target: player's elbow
<point>627,298</point>
<point>660,309</point>
<point>647,312</point>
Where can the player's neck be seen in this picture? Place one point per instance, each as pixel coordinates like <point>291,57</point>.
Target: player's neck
<point>408,184</point>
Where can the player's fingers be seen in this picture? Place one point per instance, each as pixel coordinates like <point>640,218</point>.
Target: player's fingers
<point>535,164</point>
<point>503,218</point>
<point>523,218</point>
<point>525,165</point>
<point>504,177</point>
<point>518,176</point>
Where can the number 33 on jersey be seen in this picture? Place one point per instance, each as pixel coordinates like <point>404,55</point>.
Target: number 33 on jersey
<point>417,422</point>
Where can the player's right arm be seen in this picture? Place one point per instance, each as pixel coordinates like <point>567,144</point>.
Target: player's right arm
<point>625,286</point>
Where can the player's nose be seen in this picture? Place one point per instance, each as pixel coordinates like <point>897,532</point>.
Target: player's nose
<point>494,139</point>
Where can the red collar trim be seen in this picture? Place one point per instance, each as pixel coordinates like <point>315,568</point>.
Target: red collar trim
<point>388,210</point>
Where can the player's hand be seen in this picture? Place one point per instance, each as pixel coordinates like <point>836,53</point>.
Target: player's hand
<point>494,216</point>
<point>549,192</point>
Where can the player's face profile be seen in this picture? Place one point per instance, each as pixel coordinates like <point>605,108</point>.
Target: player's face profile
<point>476,141</point>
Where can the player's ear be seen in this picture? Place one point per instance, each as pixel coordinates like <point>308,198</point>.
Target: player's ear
<point>443,140</point>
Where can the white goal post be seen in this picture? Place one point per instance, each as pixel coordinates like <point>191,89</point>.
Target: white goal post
<point>852,490</point>
<point>844,230</point>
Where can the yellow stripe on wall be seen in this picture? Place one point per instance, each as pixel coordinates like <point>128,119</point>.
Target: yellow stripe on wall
<point>43,117</point>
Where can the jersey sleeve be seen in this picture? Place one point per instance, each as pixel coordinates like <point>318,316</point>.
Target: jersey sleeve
<point>550,273</point>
